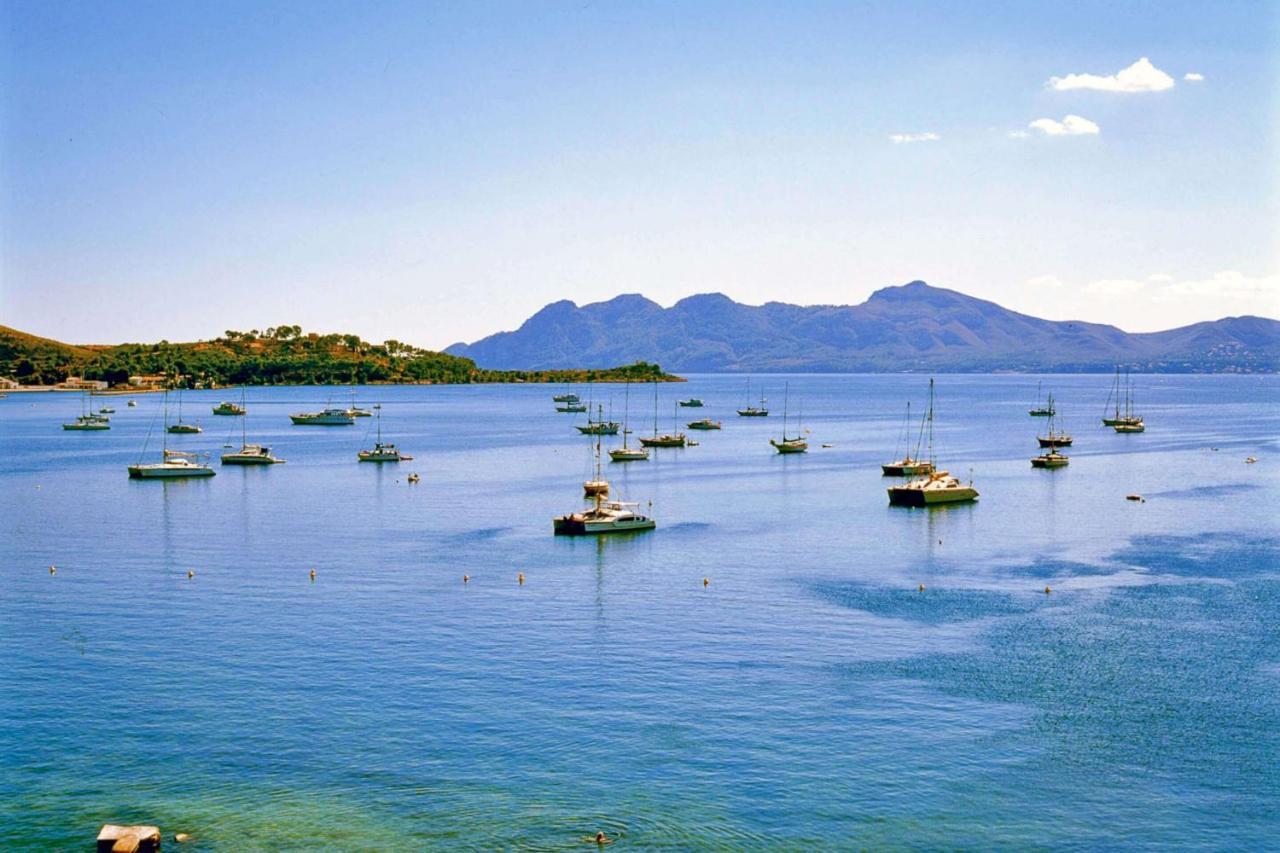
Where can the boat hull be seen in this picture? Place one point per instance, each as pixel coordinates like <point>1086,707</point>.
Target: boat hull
<point>327,420</point>
<point>158,472</point>
<point>903,496</point>
<point>1049,462</point>
<point>1055,441</point>
<point>599,429</point>
<point>569,525</point>
<point>703,425</point>
<point>249,459</point>
<point>905,469</point>
<point>1125,428</point>
<point>753,413</point>
<point>790,446</point>
<point>628,455</point>
<point>383,457</point>
<point>86,427</point>
<point>183,429</point>
<point>664,441</point>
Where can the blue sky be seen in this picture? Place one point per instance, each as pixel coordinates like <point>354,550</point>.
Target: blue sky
<point>435,173</point>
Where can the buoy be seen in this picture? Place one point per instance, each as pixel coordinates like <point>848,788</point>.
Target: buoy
<point>1046,590</point>
<point>466,578</point>
<point>190,574</point>
<point>180,837</point>
<point>53,570</point>
<point>520,578</point>
<point>706,581</point>
<point>1249,460</point>
<point>1135,498</point>
<point>313,574</point>
<point>921,589</point>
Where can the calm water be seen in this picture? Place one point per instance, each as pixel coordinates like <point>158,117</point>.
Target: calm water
<point>809,693</point>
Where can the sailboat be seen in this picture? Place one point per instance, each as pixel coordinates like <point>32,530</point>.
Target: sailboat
<point>356,412</point>
<point>179,426</point>
<point>1056,437</point>
<point>1053,458</point>
<point>750,411</point>
<point>248,454</point>
<point>788,445</point>
<point>599,426</point>
<point>173,464</point>
<point>1113,394</point>
<point>909,465</point>
<point>625,453</point>
<point>937,487</point>
<point>382,452</point>
<point>1129,422</point>
<point>88,420</point>
<point>106,409</point>
<point>598,485</point>
<point>667,439</point>
<point>1038,411</point>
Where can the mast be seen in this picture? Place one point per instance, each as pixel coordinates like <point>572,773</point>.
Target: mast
<point>244,416</point>
<point>655,408</point>
<point>626,412</point>
<point>786,392</point>
<point>929,419</point>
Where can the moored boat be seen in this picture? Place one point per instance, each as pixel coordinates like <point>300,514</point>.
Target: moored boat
<point>599,426</point>
<point>1055,436</point>
<point>750,411</point>
<point>327,417</point>
<point>625,453</point>
<point>175,464</point>
<point>1052,459</point>
<point>666,439</point>
<point>786,444</point>
<point>692,403</point>
<point>934,488</point>
<point>1039,411</point>
<point>909,465</point>
<point>88,423</point>
<point>251,454</point>
<point>704,424</point>
<point>228,408</point>
<point>382,452</point>
<point>179,426</point>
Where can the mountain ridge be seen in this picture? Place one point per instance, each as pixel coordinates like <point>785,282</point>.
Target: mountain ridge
<point>908,327</point>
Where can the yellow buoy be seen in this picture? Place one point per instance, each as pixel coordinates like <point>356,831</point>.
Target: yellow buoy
<point>1046,590</point>
<point>520,578</point>
<point>53,570</point>
<point>706,581</point>
<point>466,578</point>
<point>313,574</point>
<point>190,574</point>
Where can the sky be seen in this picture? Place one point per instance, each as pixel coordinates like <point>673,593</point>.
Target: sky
<point>437,172</point>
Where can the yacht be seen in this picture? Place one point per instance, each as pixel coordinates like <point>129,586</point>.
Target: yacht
<point>1051,459</point>
<point>934,488</point>
<point>909,465</point>
<point>174,464</point>
<point>248,454</point>
<point>788,445</point>
<point>133,404</point>
<point>251,454</point>
<point>692,403</point>
<point>750,411</point>
<point>1038,411</point>
<point>328,417</point>
<point>382,452</point>
<point>626,453</point>
<point>356,412</point>
<point>566,397</point>
<point>179,426</point>
<point>604,517</point>
<point>599,426</point>
<point>227,408</point>
<point>1119,393</point>
<point>572,408</point>
<point>597,486</point>
<point>705,423</point>
<point>1055,437</point>
<point>88,423</point>
<point>666,439</point>
<point>1131,426</point>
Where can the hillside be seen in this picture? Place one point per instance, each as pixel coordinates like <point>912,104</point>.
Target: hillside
<point>912,327</point>
<point>283,355</point>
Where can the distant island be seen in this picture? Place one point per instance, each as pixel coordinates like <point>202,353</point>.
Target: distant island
<point>912,327</point>
<point>281,355</point>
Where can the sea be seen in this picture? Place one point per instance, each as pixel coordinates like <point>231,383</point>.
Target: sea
<point>786,662</point>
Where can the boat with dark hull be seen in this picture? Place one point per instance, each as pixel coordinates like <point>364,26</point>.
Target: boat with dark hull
<point>935,488</point>
<point>909,464</point>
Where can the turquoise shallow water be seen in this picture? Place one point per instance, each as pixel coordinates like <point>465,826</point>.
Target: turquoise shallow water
<point>810,693</point>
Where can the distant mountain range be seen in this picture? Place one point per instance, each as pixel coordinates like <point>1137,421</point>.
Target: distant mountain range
<point>912,327</point>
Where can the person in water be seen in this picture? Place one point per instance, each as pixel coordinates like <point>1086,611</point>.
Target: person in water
<point>601,839</point>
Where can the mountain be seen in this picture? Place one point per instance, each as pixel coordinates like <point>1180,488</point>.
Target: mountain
<point>912,327</point>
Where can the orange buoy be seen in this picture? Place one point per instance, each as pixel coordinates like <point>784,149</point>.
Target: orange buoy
<point>520,578</point>
<point>190,574</point>
<point>466,578</point>
<point>313,574</point>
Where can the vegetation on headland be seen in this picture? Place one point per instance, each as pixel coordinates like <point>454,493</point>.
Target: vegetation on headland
<point>282,355</point>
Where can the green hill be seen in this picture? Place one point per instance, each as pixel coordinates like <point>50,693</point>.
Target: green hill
<point>283,355</point>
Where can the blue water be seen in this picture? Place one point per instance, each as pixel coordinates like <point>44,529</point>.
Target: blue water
<point>810,693</point>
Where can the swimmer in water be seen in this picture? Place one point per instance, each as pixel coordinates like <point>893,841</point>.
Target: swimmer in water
<point>600,838</point>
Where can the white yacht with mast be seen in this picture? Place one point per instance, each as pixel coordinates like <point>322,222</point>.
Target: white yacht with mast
<point>910,465</point>
<point>173,464</point>
<point>88,420</point>
<point>936,487</point>
<point>626,453</point>
<point>248,454</point>
<point>789,445</point>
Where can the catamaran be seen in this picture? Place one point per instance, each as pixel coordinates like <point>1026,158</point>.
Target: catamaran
<point>750,411</point>
<point>382,452</point>
<point>788,445</point>
<point>909,465</point>
<point>936,487</point>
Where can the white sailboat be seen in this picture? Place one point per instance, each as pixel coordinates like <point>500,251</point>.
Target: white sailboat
<point>173,464</point>
<point>248,454</point>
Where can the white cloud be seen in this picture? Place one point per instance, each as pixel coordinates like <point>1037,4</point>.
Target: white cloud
<point>908,138</point>
<point>1069,126</point>
<point>1193,77</point>
<point>1228,290</point>
<point>1141,76</point>
<point>1114,287</point>
<point>1040,282</point>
